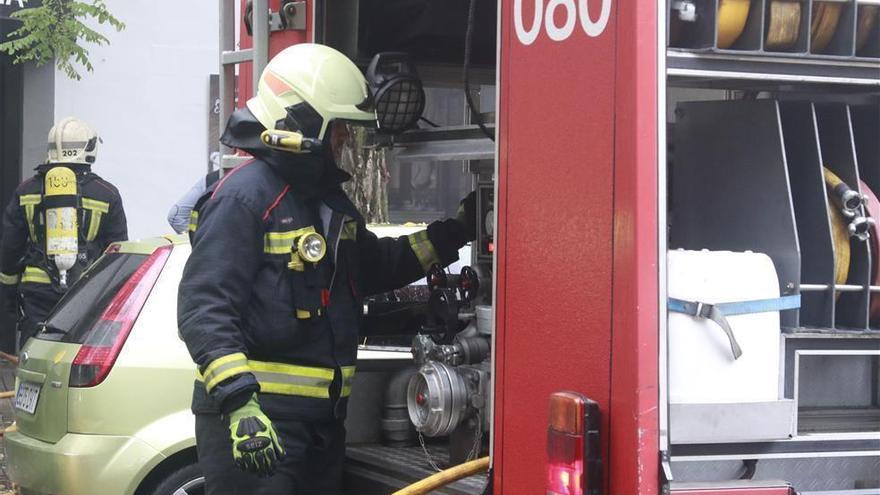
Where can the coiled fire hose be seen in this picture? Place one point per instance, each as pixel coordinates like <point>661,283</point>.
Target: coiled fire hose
<point>446,477</point>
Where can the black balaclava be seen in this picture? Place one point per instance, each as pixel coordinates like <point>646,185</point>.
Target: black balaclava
<point>309,174</point>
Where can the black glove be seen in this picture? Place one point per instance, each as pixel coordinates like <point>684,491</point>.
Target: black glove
<point>467,215</point>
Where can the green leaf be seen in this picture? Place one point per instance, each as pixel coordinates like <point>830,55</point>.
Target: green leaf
<point>54,32</point>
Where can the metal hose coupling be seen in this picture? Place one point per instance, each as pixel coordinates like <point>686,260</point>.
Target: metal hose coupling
<point>860,228</point>
<point>848,200</point>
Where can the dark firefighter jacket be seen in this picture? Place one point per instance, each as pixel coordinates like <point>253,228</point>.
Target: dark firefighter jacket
<point>252,323</point>
<point>24,266</point>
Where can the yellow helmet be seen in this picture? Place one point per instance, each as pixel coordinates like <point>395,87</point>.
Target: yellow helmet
<point>307,86</point>
<point>72,141</point>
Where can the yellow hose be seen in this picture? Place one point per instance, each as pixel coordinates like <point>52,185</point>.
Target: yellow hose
<point>732,16</point>
<point>831,179</point>
<point>839,232</point>
<point>446,477</point>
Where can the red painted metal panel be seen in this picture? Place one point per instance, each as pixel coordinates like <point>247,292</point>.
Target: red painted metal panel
<point>277,42</point>
<point>634,433</point>
<point>554,274</point>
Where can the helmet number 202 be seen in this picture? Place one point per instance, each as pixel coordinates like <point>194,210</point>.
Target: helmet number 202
<point>573,12</point>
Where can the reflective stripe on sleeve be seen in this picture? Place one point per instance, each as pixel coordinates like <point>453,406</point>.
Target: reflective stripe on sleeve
<point>423,249</point>
<point>7,279</point>
<point>35,275</point>
<point>279,378</point>
<point>288,379</point>
<point>193,220</point>
<point>347,380</point>
<point>225,367</point>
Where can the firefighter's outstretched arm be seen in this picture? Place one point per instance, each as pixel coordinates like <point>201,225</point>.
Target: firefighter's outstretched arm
<point>12,249</point>
<point>227,248</point>
<point>389,263</point>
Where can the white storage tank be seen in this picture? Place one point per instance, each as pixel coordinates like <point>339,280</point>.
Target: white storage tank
<point>702,368</point>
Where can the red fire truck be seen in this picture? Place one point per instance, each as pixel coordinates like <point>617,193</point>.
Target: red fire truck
<point>644,169</point>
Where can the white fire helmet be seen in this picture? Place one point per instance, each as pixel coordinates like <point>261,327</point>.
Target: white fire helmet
<point>72,141</point>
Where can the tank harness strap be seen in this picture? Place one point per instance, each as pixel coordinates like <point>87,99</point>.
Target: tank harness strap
<point>98,209</point>
<point>29,202</point>
<point>719,312</point>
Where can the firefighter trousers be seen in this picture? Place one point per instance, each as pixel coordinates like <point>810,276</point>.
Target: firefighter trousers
<point>315,453</point>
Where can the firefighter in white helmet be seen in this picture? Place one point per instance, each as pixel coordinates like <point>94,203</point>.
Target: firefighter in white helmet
<point>270,300</point>
<point>58,222</point>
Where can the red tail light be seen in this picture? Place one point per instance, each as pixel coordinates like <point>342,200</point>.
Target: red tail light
<point>101,347</point>
<point>573,465</point>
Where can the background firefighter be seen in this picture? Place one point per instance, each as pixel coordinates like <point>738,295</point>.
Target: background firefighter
<point>271,296</point>
<point>57,223</point>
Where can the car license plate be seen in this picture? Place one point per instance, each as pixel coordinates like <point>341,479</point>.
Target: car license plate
<point>27,396</point>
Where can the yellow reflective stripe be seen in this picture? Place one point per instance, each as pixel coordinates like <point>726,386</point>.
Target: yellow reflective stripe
<point>347,380</point>
<point>29,213</point>
<point>7,279</point>
<point>423,249</point>
<point>282,242</point>
<point>217,378</point>
<point>349,231</point>
<point>291,389</point>
<point>229,358</point>
<point>193,220</point>
<point>292,369</point>
<point>302,314</point>
<point>94,225</point>
<point>289,379</point>
<point>30,199</point>
<point>35,275</point>
<point>225,367</point>
<point>279,378</point>
<point>95,205</point>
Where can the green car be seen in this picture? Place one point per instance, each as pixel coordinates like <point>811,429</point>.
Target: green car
<point>102,403</point>
<point>103,391</point>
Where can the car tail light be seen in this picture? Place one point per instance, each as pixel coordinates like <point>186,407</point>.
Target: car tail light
<point>102,344</point>
<point>573,464</point>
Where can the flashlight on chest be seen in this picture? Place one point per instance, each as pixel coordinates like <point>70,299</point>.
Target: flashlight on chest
<point>308,247</point>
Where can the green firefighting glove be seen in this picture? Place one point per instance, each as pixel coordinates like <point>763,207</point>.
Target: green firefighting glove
<point>255,445</point>
<point>467,215</point>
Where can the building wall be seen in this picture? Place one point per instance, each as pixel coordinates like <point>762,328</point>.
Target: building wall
<point>38,114</point>
<point>148,99</point>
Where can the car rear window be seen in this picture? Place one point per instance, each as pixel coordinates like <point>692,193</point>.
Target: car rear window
<point>83,304</point>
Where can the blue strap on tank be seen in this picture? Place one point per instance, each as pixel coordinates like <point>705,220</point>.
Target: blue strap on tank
<point>720,311</point>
